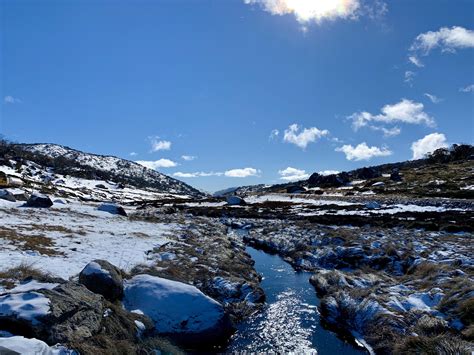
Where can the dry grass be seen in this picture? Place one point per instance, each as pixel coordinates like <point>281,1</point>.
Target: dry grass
<point>20,273</point>
<point>444,344</point>
<point>39,242</point>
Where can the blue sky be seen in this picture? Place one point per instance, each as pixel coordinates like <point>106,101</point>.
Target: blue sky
<point>356,83</point>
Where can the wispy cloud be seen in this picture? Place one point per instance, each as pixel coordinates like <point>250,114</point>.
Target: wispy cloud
<point>157,144</point>
<point>428,144</point>
<point>188,157</point>
<point>328,172</point>
<point>434,99</point>
<point>416,61</point>
<point>302,137</point>
<point>387,132</point>
<point>363,152</point>
<point>405,111</point>
<point>242,173</point>
<point>133,154</point>
<point>446,39</point>
<point>469,88</point>
<point>11,100</point>
<point>196,174</point>
<point>274,134</point>
<point>409,77</point>
<point>292,174</point>
<point>155,164</point>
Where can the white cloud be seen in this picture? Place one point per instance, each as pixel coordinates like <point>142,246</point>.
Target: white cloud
<point>307,11</point>
<point>415,60</point>
<point>133,154</point>
<point>157,145</point>
<point>188,157</point>
<point>196,174</point>
<point>292,174</point>
<point>328,172</point>
<point>405,111</point>
<point>428,144</point>
<point>161,163</point>
<point>363,152</point>
<point>11,100</point>
<point>469,88</point>
<point>303,138</point>
<point>447,39</point>
<point>434,99</point>
<point>274,134</point>
<point>242,173</point>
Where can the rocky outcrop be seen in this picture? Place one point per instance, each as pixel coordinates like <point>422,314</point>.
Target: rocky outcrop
<point>101,277</point>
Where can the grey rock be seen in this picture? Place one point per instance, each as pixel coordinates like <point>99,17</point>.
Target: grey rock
<point>101,277</point>
<point>39,200</point>
<point>7,195</point>
<point>113,209</point>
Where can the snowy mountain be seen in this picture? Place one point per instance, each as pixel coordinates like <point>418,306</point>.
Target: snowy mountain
<point>70,162</point>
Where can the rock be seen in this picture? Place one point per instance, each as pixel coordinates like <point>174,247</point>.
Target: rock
<point>235,201</point>
<point>295,189</point>
<point>372,205</point>
<point>75,313</point>
<point>178,310</point>
<point>101,277</point>
<point>38,200</point>
<point>112,208</point>
<point>7,195</point>
<point>101,186</point>
<point>334,180</point>
<point>378,183</point>
<point>61,202</point>
<point>395,175</point>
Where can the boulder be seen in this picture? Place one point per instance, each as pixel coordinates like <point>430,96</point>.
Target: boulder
<point>101,186</point>
<point>39,200</point>
<point>112,208</point>
<point>7,195</point>
<point>333,180</point>
<point>69,312</point>
<point>101,277</point>
<point>295,189</point>
<point>372,205</point>
<point>395,175</point>
<point>75,313</point>
<point>178,310</point>
<point>235,201</point>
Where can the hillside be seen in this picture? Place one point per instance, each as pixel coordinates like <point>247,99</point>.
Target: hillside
<point>52,163</point>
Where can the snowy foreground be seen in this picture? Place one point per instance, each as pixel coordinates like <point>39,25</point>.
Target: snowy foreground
<point>179,278</point>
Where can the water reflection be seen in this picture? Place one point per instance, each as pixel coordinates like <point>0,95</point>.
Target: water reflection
<point>290,321</point>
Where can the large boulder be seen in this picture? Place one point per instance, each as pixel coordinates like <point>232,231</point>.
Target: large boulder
<point>333,180</point>
<point>235,201</point>
<point>7,195</point>
<point>395,175</point>
<point>39,200</point>
<point>295,189</point>
<point>103,278</point>
<point>178,310</point>
<point>112,208</point>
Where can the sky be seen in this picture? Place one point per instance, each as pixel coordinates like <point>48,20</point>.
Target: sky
<point>222,93</point>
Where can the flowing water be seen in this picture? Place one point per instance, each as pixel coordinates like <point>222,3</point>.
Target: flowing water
<point>290,320</point>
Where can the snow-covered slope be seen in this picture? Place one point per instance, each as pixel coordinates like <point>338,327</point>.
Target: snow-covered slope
<point>72,162</point>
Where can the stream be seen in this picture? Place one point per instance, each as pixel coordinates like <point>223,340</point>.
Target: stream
<point>290,320</point>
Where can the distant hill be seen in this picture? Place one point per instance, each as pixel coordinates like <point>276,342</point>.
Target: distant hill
<point>67,161</point>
